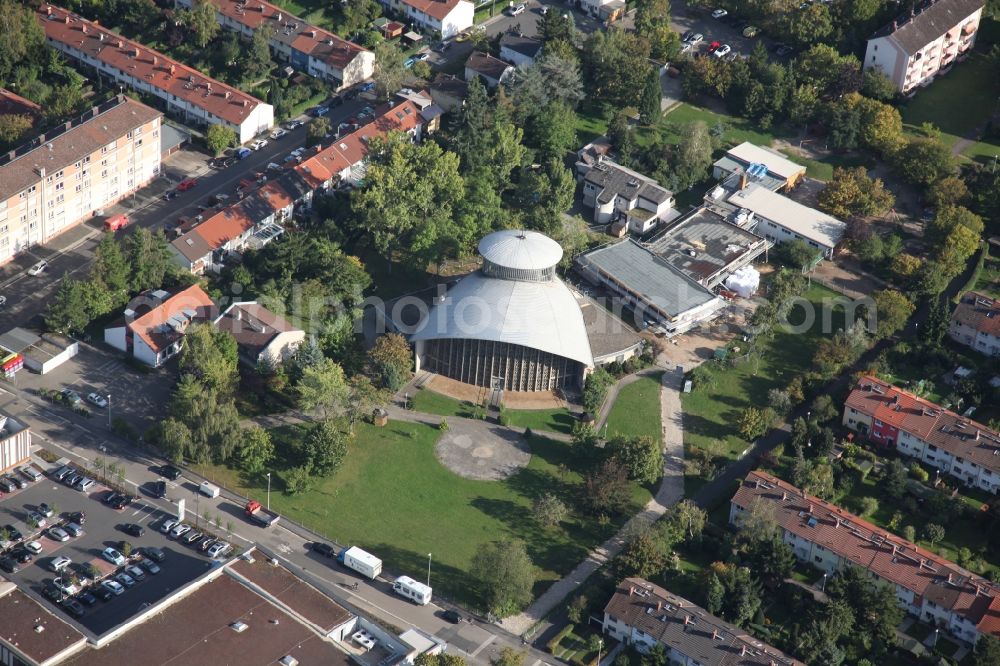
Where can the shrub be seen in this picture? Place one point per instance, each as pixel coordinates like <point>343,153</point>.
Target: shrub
<point>443,426</point>
<point>918,472</point>
<point>554,643</point>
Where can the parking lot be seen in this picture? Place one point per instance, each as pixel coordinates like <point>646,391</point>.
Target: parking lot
<point>102,528</point>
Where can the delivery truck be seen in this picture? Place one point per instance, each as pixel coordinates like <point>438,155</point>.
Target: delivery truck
<point>258,514</point>
<point>364,563</point>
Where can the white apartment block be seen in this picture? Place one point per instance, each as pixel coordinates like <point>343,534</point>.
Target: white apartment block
<point>185,92</point>
<point>918,46</point>
<point>443,18</point>
<point>975,323</point>
<point>927,586</point>
<point>68,174</point>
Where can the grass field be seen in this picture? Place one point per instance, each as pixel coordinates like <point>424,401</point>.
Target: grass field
<point>556,420</point>
<point>393,497</point>
<point>989,277</point>
<point>637,410</point>
<point>711,415</point>
<point>957,104</point>
<point>425,400</point>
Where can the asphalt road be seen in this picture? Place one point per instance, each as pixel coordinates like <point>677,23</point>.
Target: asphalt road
<point>71,252</point>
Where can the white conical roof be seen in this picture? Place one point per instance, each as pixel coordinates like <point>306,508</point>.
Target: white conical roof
<point>524,250</point>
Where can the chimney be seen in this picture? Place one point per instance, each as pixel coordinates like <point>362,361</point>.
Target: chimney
<point>228,93</point>
<point>172,69</point>
<point>743,180</point>
<point>239,314</point>
<point>784,495</point>
<point>659,605</point>
<point>155,61</point>
<point>810,508</point>
<point>950,579</point>
<point>137,52</point>
<point>978,433</point>
<point>895,549</point>
<point>83,28</point>
<point>66,19</point>
<point>743,651</point>
<point>277,15</point>
<point>631,590</point>
<point>120,43</point>
<point>687,620</point>
<point>715,634</point>
<point>48,10</point>
<point>100,36</point>
<point>246,103</point>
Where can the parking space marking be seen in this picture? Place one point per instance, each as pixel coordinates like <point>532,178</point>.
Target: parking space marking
<point>489,640</point>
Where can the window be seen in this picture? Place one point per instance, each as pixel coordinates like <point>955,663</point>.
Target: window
<point>76,166</point>
<point>59,186</point>
<point>59,199</point>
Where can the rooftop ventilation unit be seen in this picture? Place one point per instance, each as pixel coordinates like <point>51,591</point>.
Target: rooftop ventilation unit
<point>239,626</point>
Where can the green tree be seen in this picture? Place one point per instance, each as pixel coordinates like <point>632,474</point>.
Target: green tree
<point>691,159</point>
<point>544,195</point>
<point>949,218</point>
<point>644,557</point>
<point>67,311</point>
<point>936,327</point>
<point>652,94</point>
<point>200,21</point>
<point>617,65</point>
<point>641,456</point>
<point>892,310</point>
<point>111,270</point>
<point>933,533</point>
<point>876,85</point>
<point>987,652</point>
<point>771,559</point>
<point>174,439</point>
<point>389,70</point>
<point>210,355</point>
<point>211,418</point>
<point>606,489</point>
<point>257,63</point>
<point>852,192</point>
<point>752,423</point>
<point>508,656</point>
<point>391,360</point>
<point>317,130</point>
<point>505,574</point>
<point>809,26</point>
<point>21,38</point>
<point>595,389</point>
<point>549,510</point>
<point>820,481</point>
<point>894,483</point>
<point>689,517</point>
<point>715,595</point>
<point>326,446</point>
<point>13,127</point>
<point>652,23</point>
<point>923,161</point>
<point>323,388</point>
<point>219,137</point>
<point>553,131</point>
<point>256,449</point>
<point>149,257</point>
<point>363,399</point>
<point>949,191</point>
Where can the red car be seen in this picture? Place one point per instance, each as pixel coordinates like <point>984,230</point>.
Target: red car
<point>186,185</point>
<point>711,49</point>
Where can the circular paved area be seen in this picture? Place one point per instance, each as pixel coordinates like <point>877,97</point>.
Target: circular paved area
<point>483,453</point>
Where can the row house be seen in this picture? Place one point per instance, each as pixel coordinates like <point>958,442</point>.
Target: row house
<point>642,614</point>
<point>73,171</point>
<point>307,47</point>
<point>918,428</point>
<point>975,323</point>
<point>617,193</point>
<point>185,92</point>
<point>927,586</point>
<point>442,18</point>
<point>924,42</point>
<point>250,223</point>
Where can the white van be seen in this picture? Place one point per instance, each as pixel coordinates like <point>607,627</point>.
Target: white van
<point>416,592</point>
<point>208,489</point>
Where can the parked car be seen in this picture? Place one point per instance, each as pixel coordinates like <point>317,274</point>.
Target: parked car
<point>113,556</point>
<point>116,222</point>
<point>750,31</point>
<point>258,144</point>
<point>219,549</point>
<point>713,46</point>
<point>293,124</point>
<point>514,10</point>
<point>149,565</point>
<point>170,472</point>
<point>97,399</point>
<point>79,517</point>
<point>45,510</point>
<point>29,472</point>
<point>120,503</point>
<point>186,184</point>
<point>59,563</point>
<point>451,616</point>
<point>154,553</point>
<point>159,489</point>
<point>408,63</point>
<point>722,51</point>
<point>22,555</point>
<point>34,546</point>
<point>73,529</point>
<point>103,593</point>
<point>9,564</point>
<point>73,607</point>
<point>13,533</point>
<point>205,544</point>
<point>83,484</point>
<point>191,538</point>
<point>65,586</point>
<point>243,153</point>
<point>114,587</point>
<point>58,534</point>
<point>167,525</point>
<point>695,38</point>
<point>169,194</point>
<point>38,268</point>
<point>720,13</point>
<point>180,530</point>
<point>125,579</point>
<point>135,572</point>
<point>71,396</point>
<point>86,598</point>
<point>324,549</point>
<point>72,479</point>
<point>17,481</point>
<point>278,133</point>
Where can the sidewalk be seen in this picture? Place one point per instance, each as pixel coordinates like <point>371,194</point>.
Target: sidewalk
<point>670,492</point>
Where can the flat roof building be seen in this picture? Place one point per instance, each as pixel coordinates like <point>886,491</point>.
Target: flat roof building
<point>307,47</point>
<point>642,615</point>
<point>15,443</point>
<point>184,91</point>
<point>31,634</point>
<point>927,586</point>
<point>781,171</point>
<point>67,174</point>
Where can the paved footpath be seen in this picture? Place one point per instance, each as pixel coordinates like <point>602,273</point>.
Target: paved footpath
<point>670,492</point>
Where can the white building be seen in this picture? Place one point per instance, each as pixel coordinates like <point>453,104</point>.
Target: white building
<point>152,328</point>
<point>442,18</point>
<point>617,193</point>
<point>782,173</point>
<point>185,92</point>
<point>15,443</point>
<point>917,46</point>
<point>927,586</point>
<point>975,323</point>
<point>493,71</point>
<point>781,219</point>
<point>519,50</point>
<point>262,337</point>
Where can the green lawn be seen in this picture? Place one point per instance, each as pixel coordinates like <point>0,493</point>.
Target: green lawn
<point>556,420</point>
<point>637,410</point>
<point>989,277</point>
<point>710,415</point>
<point>393,497</point>
<point>426,400</point>
<point>958,103</point>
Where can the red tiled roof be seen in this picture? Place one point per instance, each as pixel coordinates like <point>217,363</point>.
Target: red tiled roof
<point>886,555</point>
<point>148,326</point>
<point>979,312</point>
<point>13,103</point>
<point>351,149</point>
<point>290,29</point>
<point>438,9</point>
<point>146,65</point>
<point>951,432</point>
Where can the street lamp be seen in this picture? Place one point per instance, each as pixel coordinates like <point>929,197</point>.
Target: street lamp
<point>428,569</point>
<point>600,646</point>
<point>268,491</point>
<point>823,585</point>
<point>109,411</point>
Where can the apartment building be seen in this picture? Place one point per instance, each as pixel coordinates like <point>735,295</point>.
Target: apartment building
<point>73,171</point>
<point>642,614</point>
<point>442,18</point>
<point>185,92</point>
<point>954,444</point>
<point>927,586</point>
<point>308,48</point>
<point>152,328</point>
<point>617,193</point>
<point>975,323</point>
<point>924,42</point>
<point>15,443</point>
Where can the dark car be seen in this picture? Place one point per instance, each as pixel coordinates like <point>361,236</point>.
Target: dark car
<point>45,510</point>
<point>78,517</point>
<point>324,549</point>
<point>169,194</point>
<point>73,607</point>
<point>17,481</point>
<point>52,592</point>
<point>134,529</point>
<point>154,554</point>
<point>111,497</point>
<point>120,503</point>
<point>22,555</point>
<point>9,565</point>
<point>451,616</point>
<point>170,472</point>
<point>156,488</point>
<point>102,593</point>
<point>13,532</point>
<point>86,598</point>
